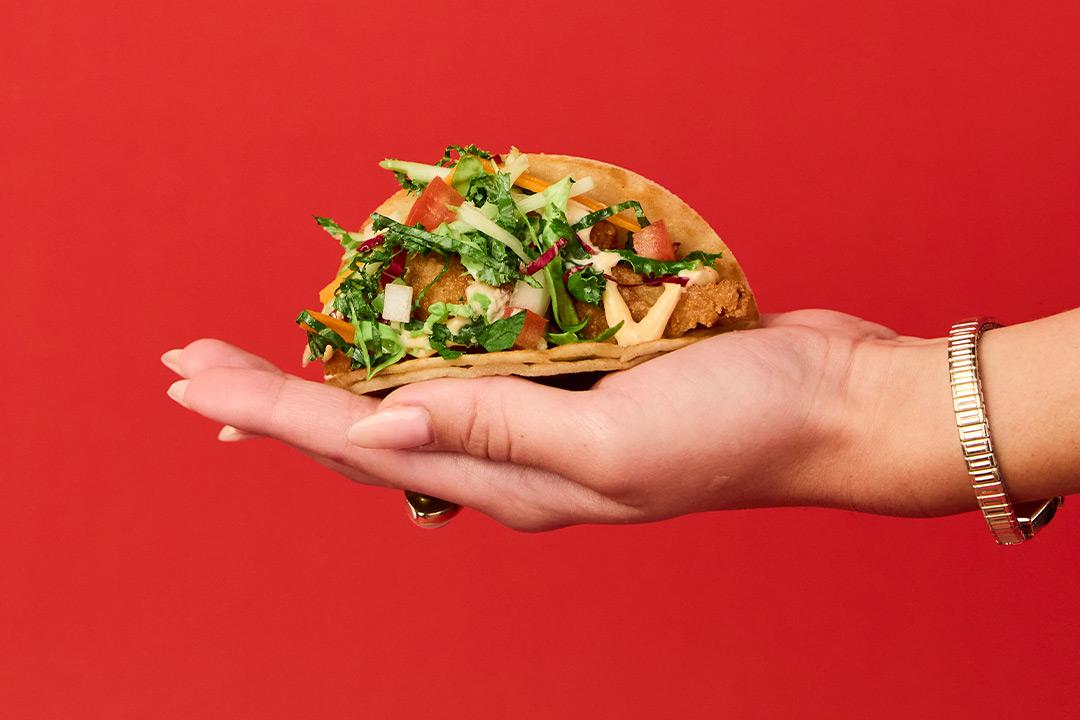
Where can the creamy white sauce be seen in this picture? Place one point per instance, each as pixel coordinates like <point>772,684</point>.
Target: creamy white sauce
<point>651,327</point>
<point>701,276</point>
<point>497,299</point>
<point>416,346</point>
<point>603,261</point>
<point>455,324</point>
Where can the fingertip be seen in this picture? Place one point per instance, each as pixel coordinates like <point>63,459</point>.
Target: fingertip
<point>177,391</point>
<point>171,360</point>
<point>230,434</point>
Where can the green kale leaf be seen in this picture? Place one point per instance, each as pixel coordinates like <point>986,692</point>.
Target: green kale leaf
<point>408,184</point>
<point>440,335</point>
<point>448,160</point>
<point>486,259</point>
<point>587,285</point>
<point>604,213</point>
<point>568,338</point>
<point>658,268</point>
<point>501,334</point>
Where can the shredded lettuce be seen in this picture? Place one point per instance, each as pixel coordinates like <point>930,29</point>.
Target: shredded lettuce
<point>553,227</point>
<point>375,346</point>
<point>495,236</point>
<point>467,169</point>
<point>476,218</point>
<point>486,259</point>
<point>494,191</point>
<point>359,300</point>
<point>321,337</point>
<point>493,336</point>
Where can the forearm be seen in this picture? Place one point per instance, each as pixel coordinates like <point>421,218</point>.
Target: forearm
<point>902,449</point>
<point>1031,383</point>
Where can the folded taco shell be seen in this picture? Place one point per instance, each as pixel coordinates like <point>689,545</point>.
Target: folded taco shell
<point>612,185</point>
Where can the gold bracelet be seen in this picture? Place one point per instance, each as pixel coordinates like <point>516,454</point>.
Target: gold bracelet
<point>1010,524</point>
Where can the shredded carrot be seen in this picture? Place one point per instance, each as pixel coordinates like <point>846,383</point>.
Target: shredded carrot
<point>328,292</point>
<point>342,328</point>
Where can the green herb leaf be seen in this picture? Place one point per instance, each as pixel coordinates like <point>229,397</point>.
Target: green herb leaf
<point>587,285</point>
<point>323,336</point>
<point>447,159</point>
<point>409,184</point>
<point>486,259</point>
<point>336,231</point>
<point>501,334</point>
<point>656,268</point>
<point>495,189</point>
<point>563,338</point>
<point>440,334</point>
<point>604,213</point>
<point>568,338</point>
<point>356,297</point>
<point>609,333</point>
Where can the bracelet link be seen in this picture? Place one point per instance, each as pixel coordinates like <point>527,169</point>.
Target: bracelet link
<point>1010,524</point>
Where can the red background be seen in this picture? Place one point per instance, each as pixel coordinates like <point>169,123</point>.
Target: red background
<point>160,164</point>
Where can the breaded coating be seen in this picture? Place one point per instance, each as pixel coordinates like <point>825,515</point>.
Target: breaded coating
<point>338,363</point>
<point>450,288</point>
<point>700,305</point>
<point>596,323</point>
<point>706,305</point>
<point>604,236</point>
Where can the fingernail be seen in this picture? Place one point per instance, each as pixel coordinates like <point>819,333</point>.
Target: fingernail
<point>231,434</point>
<point>396,428</point>
<point>177,389</point>
<point>171,360</point>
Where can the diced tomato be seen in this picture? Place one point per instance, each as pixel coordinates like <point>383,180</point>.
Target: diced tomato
<point>652,241</point>
<point>430,209</point>
<point>531,332</point>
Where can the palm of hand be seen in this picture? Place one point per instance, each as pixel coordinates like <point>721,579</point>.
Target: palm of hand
<point>719,424</point>
<point>715,425</point>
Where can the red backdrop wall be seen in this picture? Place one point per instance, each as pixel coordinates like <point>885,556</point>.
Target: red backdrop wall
<point>160,164</point>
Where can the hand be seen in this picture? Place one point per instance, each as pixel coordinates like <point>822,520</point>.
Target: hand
<point>784,415</point>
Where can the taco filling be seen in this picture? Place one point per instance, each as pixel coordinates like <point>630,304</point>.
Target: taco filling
<point>479,255</point>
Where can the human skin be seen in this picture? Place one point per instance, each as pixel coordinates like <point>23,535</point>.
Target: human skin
<point>815,408</point>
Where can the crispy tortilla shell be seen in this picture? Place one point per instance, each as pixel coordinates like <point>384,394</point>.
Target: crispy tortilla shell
<point>613,185</point>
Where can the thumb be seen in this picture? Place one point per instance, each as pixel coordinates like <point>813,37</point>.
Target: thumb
<point>503,419</point>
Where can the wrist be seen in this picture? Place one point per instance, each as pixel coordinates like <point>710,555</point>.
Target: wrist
<point>898,432</point>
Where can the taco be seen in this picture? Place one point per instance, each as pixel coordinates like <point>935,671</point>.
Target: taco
<point>520,264</point>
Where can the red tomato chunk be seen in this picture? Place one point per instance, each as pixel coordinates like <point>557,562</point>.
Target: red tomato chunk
<point>652,241</point>
<point>430,209</point>
<point>532,332</point>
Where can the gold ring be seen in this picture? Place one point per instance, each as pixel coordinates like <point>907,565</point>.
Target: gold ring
<point>429,512</point>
